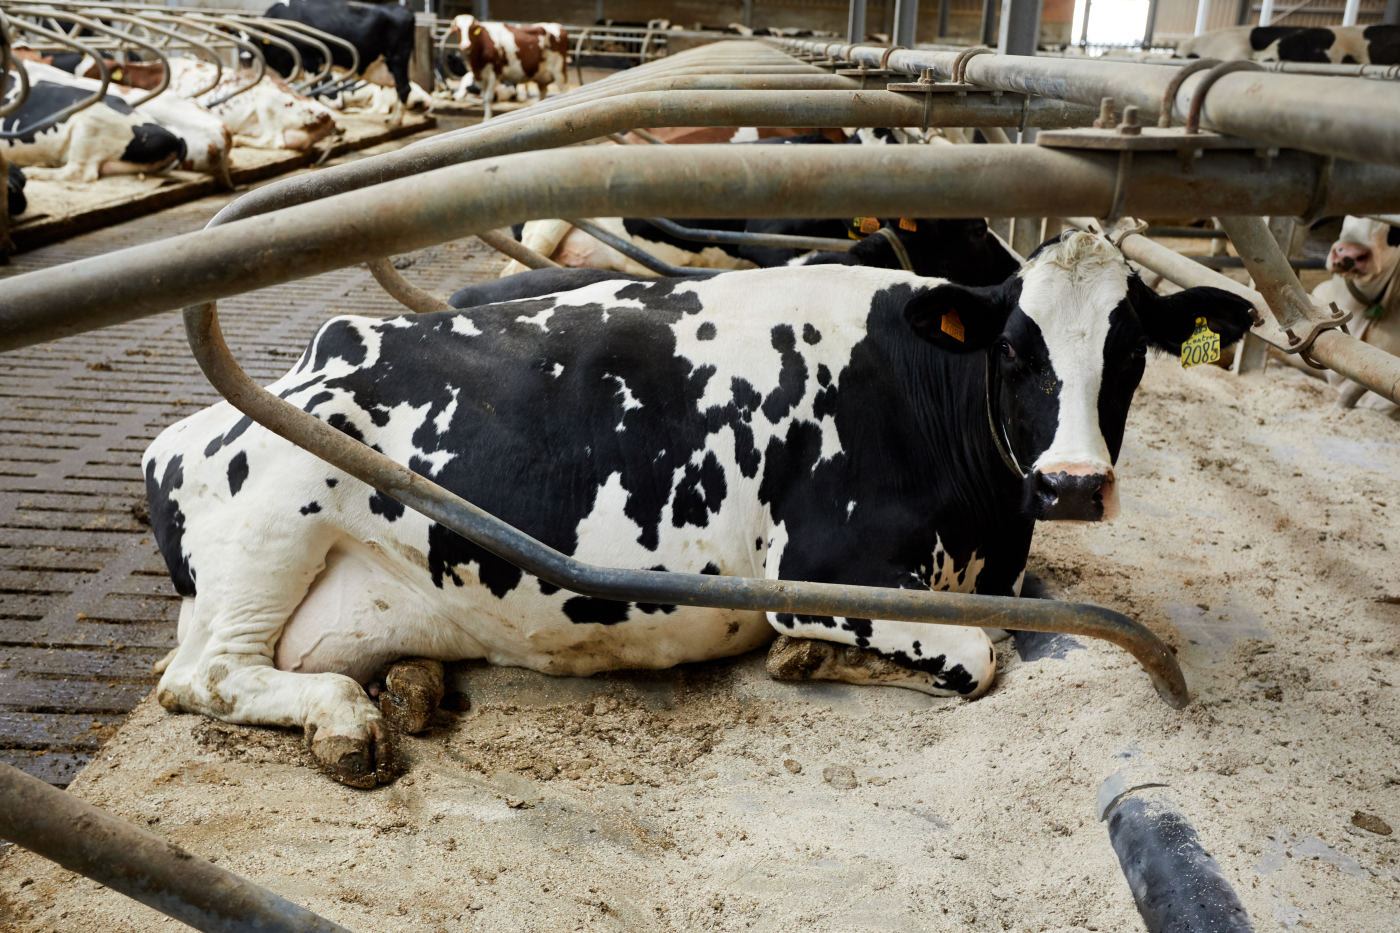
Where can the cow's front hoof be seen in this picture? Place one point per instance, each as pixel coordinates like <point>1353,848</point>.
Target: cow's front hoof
<point>798,658</point>
<point>359,761</point>
<point>413,689</point>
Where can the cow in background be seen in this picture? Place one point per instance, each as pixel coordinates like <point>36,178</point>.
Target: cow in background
<point>1365,263</point>
<point>496,52</point>
<point>270,115</point>
<point>1340,45</point>
<point>107,138</point>
<point>382,35</point>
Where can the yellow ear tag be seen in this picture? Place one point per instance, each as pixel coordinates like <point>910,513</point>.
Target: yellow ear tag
<point>906,224</point>
<point>116,74</point>
<point>476,30</point>
<point>868,225</point>
<point>1203,346</point>
<point>952,325</point>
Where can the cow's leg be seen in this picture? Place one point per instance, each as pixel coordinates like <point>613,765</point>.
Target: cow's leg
<point>413,688</point>
<point>488,93</point>
<point>462,86</point>
<point>943,660</point>
<point>223,668</point>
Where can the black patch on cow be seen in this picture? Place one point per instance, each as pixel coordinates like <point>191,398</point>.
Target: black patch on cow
<point>237,472</point>
<point>792,376</point>
<point>153,144</point>
<point>339,340</point>
<point>699,493</point>
<point>810,334</point>
<point>758,544</point>
<point>661,294</point>
<point>1306,45</point>
<point>705,331</point>
<point>1392,235</point>
<point>548,589</point>
<point>311,508</point>
<point>168,522</point>
<point>213,446</point>
<point>955,678</point>
<point>332,482</point>
<point>710,569</point>
<point>14,190</point>
<point>586,609</point>
<point>388,508</point>
<point>534,283</point>
<point>1382,44</point>
<point>861,628</point>
<point>1261,37</point>
<point>344,425</point>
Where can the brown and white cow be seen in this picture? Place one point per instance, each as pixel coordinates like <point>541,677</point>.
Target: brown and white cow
<point>1365,262</point>
<point>515,54</point>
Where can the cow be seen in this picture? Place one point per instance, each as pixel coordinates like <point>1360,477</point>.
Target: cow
<point>1365,262</point>
<point>207,141</point>
<point>514,54</point>
<point>847,425</point>
<point>372,98</point>
<point>107,138</point>
<point>144,75</point>
<point>382,35</point>
<point>1341,45</point>
<point>270,115</point>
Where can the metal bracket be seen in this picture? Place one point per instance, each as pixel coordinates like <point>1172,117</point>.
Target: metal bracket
<point>927,86</point>
<point>865,73</point>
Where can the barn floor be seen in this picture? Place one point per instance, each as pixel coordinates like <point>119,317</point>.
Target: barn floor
<point>1259,539</point>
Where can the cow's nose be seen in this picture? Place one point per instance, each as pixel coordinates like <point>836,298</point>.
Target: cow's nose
<point>1066,496</point>
<point>1348,257</point>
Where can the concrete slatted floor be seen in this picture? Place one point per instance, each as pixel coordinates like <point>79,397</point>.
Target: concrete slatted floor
<point>85,603</point>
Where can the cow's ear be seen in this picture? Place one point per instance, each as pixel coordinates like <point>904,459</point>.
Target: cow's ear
<point>1168,320</point>
<point>958,318</point>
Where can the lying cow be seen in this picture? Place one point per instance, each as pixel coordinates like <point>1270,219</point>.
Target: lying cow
<point>207,141</point>
<point>374,99</point>
<point>1365,262</point>
<point>1341,45</point>
<point>860,426</point>
<point>270,115</point>
<point>382,35</point>
<point>107,138</point>
<point>513,54</point>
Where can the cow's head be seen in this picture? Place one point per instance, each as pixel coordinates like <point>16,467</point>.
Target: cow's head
<point>466,28</point>
<point>1367,250</point>
<point>1064,342</point>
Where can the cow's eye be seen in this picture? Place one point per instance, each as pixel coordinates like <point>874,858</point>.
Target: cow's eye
<point>1007,351</point>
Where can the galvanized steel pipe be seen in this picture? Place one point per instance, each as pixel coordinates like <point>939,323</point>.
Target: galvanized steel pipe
<point>640,181</point>
<point>140,864</point>
<point>1286,110</point>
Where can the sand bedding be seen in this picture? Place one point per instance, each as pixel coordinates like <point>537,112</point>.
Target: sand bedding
<point>1259,539</point>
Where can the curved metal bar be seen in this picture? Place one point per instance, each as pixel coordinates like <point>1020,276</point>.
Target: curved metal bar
<point>634,252</point>
<point>282,29</point>
<point>199,48</point>
<point>744,238</point>
<point>510,544</point>
<point>503,242</point>
<point>1164,112</point>
<point>7,61</point>
<point>259,62</point>
<point>115,33</point>
<point>136,862</point>
<point>257,33</point>
<point>331,86</point>
<point>77,106</point>
<point>401,290</point>
<point>1198,96</point>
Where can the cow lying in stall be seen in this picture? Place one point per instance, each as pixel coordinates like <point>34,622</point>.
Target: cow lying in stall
<point>382,35</point>
<point>270,115</point>
<point>861,426</point>
<point>1341,45</point>
<point>513,54</point>
<point>207,141</point>
<point>1365,262</point>
<point>107,138</point>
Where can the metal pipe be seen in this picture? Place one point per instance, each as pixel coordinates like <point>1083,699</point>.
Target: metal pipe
<point>87,23</point>
<point>104,79</point>
<point>140,864</point>
<point>644,181</point>
<point>1372,367</point>
<point>503,242</point>
<point>1269,268</point>
<point>745,238</point>
<point>508,543</point>
<point>634,252</point>
<point>404,292</point>
<point>1285,110</point>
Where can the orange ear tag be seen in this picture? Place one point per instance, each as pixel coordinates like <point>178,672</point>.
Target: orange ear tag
<point>868,225</point>
<point>952,325</point>
<point>906,224</point>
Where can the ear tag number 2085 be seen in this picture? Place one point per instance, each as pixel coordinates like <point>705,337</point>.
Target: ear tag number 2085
<point>1203,346</point>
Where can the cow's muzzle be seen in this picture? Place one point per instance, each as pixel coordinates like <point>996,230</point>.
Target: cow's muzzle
<point>1070,493</point>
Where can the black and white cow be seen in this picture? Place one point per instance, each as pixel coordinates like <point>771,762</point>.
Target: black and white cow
<point>1341,45</point>
<point>107,138</point>
<point>377,31</point>
<point>853,425</point>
